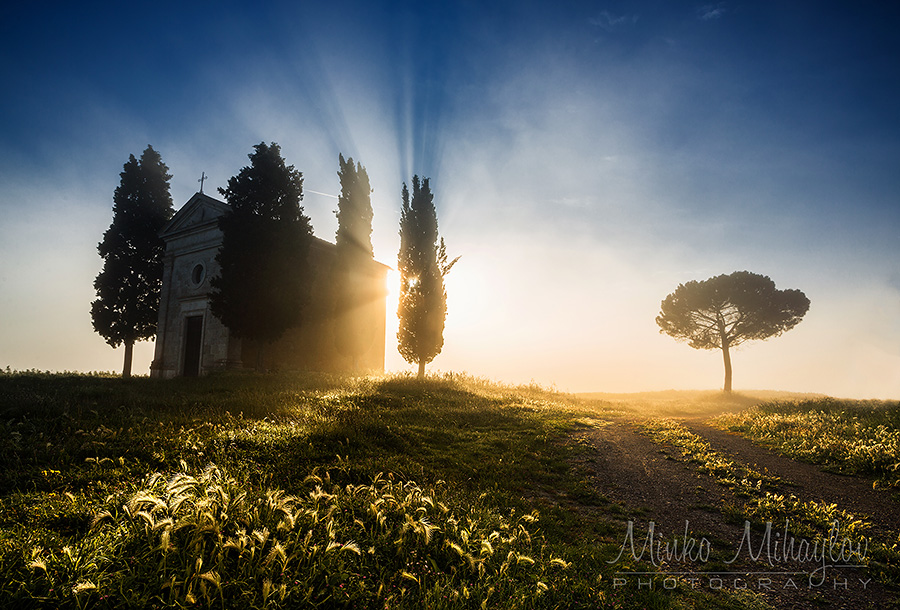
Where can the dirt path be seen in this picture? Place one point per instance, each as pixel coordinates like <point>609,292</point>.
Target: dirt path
<point>807,481</point>
<point>652,482</point>
<point>635,473</point>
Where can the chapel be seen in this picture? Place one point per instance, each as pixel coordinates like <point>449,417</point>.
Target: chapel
<point>191,341</point>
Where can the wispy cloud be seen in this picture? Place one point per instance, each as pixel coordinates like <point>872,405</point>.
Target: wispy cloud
<point>708,12</point>
<point>608,22</point>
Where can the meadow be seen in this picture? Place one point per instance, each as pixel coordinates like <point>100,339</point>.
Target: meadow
<point>284,491</point>
<point>293,491</point>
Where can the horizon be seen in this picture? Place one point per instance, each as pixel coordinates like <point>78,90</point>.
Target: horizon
<point>585,160</point>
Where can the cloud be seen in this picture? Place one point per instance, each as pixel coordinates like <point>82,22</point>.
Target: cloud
<point>708,12</point>
<point>609,23</point>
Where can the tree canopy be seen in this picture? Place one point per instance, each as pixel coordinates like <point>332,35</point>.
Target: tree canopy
<point>265,276</point>
<point>422,263</point>
<point>728,310</point>
<point>128,286</point>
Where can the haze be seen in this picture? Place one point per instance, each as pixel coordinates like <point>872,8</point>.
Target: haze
<point>586,158</point>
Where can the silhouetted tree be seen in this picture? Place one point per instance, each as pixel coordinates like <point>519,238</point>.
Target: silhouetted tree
<point>128,286</point>
<point>354,213</point>
<point>422,263</point>
<point>727,310</point>
<point>263,285</point>
<point>353,256</point>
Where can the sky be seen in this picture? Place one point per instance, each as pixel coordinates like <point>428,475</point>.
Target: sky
<point>586,157</point>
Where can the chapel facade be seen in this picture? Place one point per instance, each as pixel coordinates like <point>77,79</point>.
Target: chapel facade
<point>191,341</point>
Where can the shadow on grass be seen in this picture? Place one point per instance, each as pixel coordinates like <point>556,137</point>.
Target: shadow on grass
<point>277,428</point>
<point>99,439</point>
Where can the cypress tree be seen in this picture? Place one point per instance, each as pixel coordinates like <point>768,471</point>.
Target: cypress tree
<point>422,263</point>
<point>264,279</point>
<point>353,256</point>
<point>128,286</point>
<point>354,213</point>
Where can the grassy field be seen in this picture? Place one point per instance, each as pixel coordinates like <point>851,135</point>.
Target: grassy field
<point>247,491</point>
<point>691,403</point>
<point>296,491</point>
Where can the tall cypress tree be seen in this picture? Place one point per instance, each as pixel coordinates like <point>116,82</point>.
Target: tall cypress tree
<point>422,263</point>
<point>353,256</point>
<point>128,286</point>
<point>263,286</point>
<point>354,213</point>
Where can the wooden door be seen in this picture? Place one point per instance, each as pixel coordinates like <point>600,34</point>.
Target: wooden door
<point>193,345</point>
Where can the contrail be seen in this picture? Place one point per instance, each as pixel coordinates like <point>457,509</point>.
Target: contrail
<point>318,193</point>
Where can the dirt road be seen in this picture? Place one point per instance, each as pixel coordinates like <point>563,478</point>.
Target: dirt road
<point>652,482</point>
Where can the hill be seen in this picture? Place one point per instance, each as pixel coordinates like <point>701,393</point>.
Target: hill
<point>252,491</point>
<point>292,491</point>
<point>691,403</point>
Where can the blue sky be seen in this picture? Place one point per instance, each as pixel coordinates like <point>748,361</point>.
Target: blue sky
<point>587,157</point>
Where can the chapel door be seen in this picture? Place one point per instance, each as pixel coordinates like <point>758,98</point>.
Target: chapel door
<point>193,343</point>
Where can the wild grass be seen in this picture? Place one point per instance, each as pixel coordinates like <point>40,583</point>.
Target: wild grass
<point>689,403</point>
<point>742,479</point>
<point>850,437</point>
<point>245,491</point>
<point>203,538</point>
<point>763,502</point>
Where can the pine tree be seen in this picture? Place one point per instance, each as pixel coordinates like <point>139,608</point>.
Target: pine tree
<point>353,256</point>
<point>422,263</point>
<point>264,280</point>
<point>128,287</point>
<point>727,310</point>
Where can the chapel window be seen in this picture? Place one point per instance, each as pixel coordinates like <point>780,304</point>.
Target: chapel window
<point>198,274</point>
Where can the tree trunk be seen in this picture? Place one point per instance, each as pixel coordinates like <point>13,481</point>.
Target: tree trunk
<point>421,369</point>
<point>129,355</point>
<point>727,357</point>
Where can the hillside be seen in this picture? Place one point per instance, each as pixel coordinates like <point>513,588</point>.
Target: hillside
<point>316,491</point>
<point>689,403</point>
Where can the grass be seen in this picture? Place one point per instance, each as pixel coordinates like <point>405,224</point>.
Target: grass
<point>740,478</point>
<point>850,437</point>
<point>689,403</point>
<point>762,503</point>
<point>245,491</point>
<point>204,538</point>
<point>284,491</point>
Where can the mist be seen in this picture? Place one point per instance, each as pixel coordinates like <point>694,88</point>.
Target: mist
<point>582,168</point>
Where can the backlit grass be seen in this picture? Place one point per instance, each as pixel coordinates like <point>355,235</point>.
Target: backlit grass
<point>205,538</point>
<point>246,491</point>
<point>762,503</point>
<point>743,479</point>
<point>851,437</point>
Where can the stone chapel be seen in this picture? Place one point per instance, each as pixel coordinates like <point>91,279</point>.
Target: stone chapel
<point>190,341</point>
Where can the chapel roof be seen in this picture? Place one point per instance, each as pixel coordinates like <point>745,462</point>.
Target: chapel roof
<point>200,212</point>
